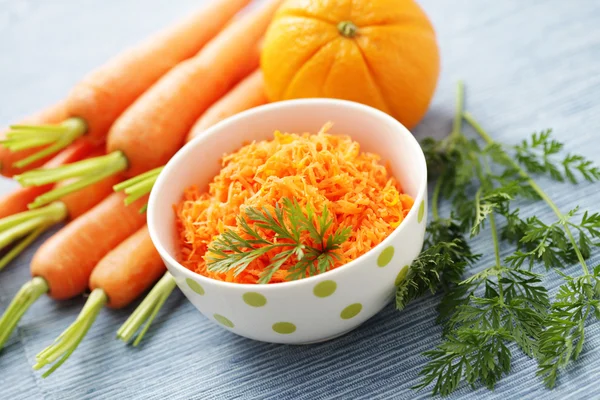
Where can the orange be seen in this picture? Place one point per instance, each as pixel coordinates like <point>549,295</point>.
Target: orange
<point>382,53</point>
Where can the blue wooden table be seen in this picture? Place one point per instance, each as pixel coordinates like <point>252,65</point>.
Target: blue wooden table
<point>528,65</point>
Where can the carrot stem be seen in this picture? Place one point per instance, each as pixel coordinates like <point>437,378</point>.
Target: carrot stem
<point>10,235</point>
<point>86,173</point>
<point>24,298</point>
<point>23,137</point>
<point>23,224</point>
<point>78,169</point>
<point>130,182</point>
<point>39,128</point>
<point>145,313</point>
<point>24,143</point>
<point>138,191</point>
<point>138,186</point>
<point>62,191</point>
<point>48,151</point>
<point>57,211</point>
<point>22,245</point>
<point>67,342</point>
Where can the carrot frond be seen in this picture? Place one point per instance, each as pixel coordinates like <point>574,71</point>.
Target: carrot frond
<point>231,251</point>
<point>24,298</point>
<point>139,186</point>
<point>67,342</point>
<point>56,137</point>
<point>86,173</point>
<point>145,313</point>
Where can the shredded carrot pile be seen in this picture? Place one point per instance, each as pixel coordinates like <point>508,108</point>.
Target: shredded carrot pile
<point>316,169</point>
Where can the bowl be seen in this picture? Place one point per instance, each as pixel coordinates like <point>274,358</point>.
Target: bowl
<point>316,308</point>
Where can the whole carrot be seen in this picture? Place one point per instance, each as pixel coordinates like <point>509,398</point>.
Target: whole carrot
<point>79,246</point>
<point>21,229</point>
<point>98,100</point>
<point>155,126</point>
<point>62,266</point>
<point>182,95</point>
<point>247,94</point>
<point>17,200</point>
<point>8,158</point>
<point>118,279</point>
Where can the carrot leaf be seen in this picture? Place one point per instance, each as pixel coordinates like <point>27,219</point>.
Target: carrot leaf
<point>236,251</point>
<point>67,342</point>
<point>506,303</point>
<point>145,313</point>
<point>24,298</point>
<point>55,137</point>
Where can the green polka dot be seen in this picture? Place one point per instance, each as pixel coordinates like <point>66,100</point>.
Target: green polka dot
<point>223,321</point>
<point>254,299</point>
<point>401,275</point>
<point>284,328</point>
<point>195,286</point>
<point>325,288</point>
<point>421,211</point>
<point>351,311</point>
<point>386,256</point>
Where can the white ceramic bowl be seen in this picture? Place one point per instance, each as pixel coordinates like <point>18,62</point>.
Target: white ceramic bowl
<point>316,308</point>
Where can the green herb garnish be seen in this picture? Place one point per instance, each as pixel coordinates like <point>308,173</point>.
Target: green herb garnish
<point>446,253</point>
<point>563,338</point>
<point>236,251</point>
<point>537,156</point>
<point>505,302</point>
<point>444,260</point>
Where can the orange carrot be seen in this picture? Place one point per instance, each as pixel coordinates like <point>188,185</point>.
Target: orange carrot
<point>128,270</point>
<point>50,115</point>
<point>80,202</point>
<point>118,279</point>
<point>247,94</point>
<point>16,202</point>
<point>152,129</point>
<point>62,266</point>
<point>96,102</point>
<point>183,94</point>
<point>66,260</point>
<point>105,93</point>
<point>22,228</point>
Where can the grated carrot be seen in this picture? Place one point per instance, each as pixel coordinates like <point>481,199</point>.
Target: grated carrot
<point>318,170</point>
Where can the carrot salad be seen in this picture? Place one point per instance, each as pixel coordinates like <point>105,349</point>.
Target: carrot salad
<point>317,170</point>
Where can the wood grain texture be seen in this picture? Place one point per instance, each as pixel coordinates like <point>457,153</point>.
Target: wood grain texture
<point>528,65</point>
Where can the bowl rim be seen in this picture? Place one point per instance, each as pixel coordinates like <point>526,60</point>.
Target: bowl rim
<point>214,130</point>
